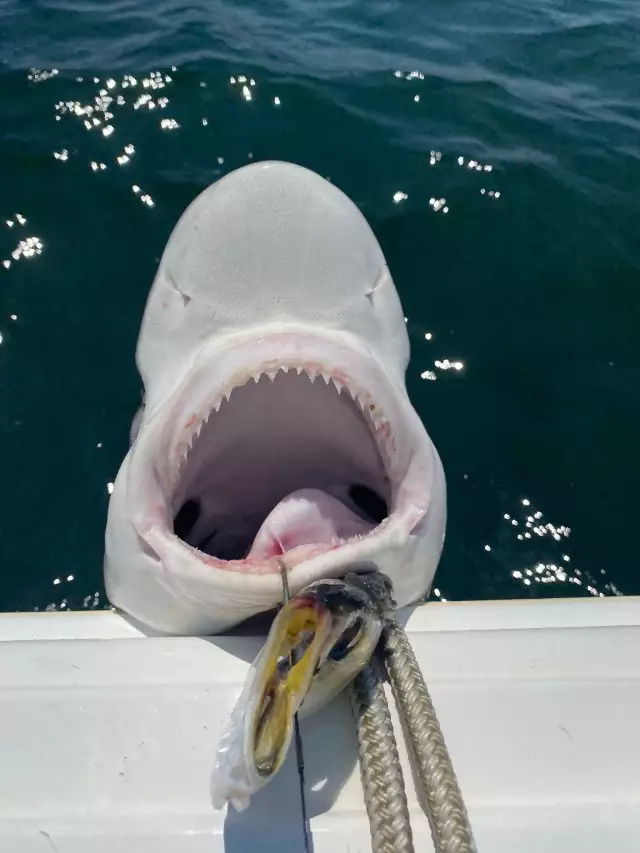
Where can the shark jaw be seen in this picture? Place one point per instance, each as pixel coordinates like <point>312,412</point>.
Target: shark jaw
<point>262,416</point>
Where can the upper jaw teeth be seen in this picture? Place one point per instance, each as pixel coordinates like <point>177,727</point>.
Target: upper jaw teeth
<point>312,372</point>
<point>197,430</point>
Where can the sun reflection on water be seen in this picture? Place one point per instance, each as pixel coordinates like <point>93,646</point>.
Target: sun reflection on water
<point>530,527</point>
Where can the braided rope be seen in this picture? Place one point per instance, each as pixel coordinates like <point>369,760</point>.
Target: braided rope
<point>446,810</point>
<point>380,769</point>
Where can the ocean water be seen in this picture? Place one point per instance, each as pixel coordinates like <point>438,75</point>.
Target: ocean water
<point>494,147</point>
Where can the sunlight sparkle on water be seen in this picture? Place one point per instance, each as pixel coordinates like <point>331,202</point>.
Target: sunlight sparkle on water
<point>474,165</point>
<point>438,204</point>
<point>449,365</point>
<point>547,570</point>
<point>39,75</point>
<point>89,602</point>
<point>28,248</point>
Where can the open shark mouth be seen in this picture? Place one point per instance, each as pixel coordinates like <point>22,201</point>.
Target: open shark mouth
<point>281,464</point>
<point>290,460</point>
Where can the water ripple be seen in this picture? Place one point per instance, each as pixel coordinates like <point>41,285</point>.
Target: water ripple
<point>492,146</point>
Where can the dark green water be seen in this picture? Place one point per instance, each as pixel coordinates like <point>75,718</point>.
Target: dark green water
<point>527,274</point>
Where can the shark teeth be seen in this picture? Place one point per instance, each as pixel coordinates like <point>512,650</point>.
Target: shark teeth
<point>375,418</point>
<point>283,368</point>
<point>196,433</point>
<point>361,403</point>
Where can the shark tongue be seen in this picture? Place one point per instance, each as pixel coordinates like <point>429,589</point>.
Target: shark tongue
<point>306,517</point>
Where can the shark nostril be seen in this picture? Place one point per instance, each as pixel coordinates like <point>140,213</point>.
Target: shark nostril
<point>369,502</point>
<point>186,518</point>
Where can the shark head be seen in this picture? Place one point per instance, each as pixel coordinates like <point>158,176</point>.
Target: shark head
<point>276,428</point>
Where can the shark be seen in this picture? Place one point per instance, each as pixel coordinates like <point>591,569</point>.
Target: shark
<point>276,433</point>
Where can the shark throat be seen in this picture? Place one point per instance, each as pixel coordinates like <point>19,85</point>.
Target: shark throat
<point>294,458</point>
